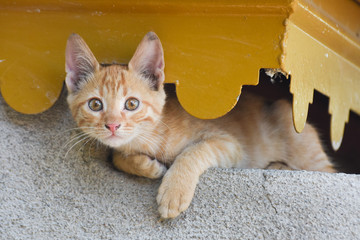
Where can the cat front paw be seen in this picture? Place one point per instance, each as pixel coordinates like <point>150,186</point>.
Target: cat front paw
<point>152,168</point>
<point>174,195</point>
<point>141,165</point>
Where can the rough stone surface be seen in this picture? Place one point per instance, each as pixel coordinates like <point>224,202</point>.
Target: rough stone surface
<point>50,192</point>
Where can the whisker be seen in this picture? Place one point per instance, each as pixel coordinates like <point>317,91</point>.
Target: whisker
<point>83,139</point>
<point>73,139</point>
<point>77,136</point>
<point>149,143</point>
<point>147,137</point>
<point>164,124</point>
<point>83,145</point>
<point>74,129</point>
<point>160,139</point>
<point>91,144</point>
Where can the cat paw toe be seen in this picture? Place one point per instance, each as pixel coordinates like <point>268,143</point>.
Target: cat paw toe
<point>173,200</point>
<point>158,171</point>
<point>171,206</point>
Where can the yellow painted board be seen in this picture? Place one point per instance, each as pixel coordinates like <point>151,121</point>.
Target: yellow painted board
<point>211,48</point>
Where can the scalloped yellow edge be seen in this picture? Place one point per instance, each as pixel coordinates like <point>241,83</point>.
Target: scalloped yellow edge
<point>211,49</point>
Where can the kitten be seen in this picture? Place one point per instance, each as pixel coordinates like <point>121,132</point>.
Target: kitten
<point>124,107</point>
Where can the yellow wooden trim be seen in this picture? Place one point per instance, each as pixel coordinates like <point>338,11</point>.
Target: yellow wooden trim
<point>211,48</point>
<point>320,55</point>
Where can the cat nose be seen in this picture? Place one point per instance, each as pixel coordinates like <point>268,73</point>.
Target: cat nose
<point>112,127</point>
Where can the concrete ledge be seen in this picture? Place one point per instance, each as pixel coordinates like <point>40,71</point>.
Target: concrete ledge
<point>45,195</point>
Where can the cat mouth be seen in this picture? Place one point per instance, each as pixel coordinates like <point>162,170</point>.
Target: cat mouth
<point>116,140</point>
<point>113,137</point>
<point>113,140</point>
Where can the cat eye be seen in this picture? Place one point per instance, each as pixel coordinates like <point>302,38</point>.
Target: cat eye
<point>131,104</point>
<point>95,104</point>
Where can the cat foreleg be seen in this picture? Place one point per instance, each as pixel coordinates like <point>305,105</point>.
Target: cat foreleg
<point>140,165</point>
<point>178,186</point>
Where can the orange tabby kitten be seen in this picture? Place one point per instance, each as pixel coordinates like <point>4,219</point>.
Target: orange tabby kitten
<point>124,107</point>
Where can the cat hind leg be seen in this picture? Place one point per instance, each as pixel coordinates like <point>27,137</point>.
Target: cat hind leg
<point>307,152</point>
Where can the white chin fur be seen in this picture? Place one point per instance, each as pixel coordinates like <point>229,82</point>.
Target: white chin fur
<point>114,141</point>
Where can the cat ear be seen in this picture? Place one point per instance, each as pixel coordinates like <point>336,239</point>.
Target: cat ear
<point>80,62</point>
<point>148,60</point>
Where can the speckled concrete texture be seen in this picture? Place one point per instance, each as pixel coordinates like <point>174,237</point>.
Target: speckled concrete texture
<point>48,192</point>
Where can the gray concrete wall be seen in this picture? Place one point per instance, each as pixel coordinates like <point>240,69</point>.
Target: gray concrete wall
<point>47,195</point>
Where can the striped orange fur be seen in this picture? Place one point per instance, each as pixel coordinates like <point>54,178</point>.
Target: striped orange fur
<point>159,139</point>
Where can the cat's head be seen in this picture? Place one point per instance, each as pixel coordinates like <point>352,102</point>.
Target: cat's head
<point>115,103</point>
